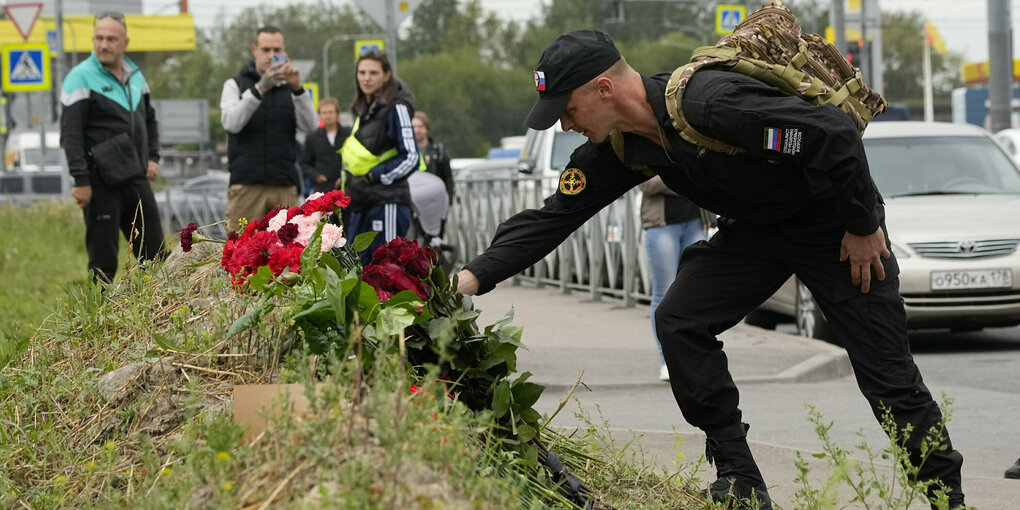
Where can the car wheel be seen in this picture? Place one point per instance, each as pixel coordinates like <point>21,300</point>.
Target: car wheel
<point>810,321</point>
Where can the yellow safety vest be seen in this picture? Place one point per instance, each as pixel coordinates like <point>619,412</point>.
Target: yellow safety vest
<point>358,160</point>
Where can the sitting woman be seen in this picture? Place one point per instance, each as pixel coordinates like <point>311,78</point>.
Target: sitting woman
<point>379,154</point>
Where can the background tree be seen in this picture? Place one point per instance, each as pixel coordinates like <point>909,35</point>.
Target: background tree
<point>903,44</point>
<point>472,72</point>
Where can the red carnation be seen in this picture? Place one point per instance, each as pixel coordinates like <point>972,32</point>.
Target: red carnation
<point>287,233</point>
<point>283,258</point>
<point>186,239</point>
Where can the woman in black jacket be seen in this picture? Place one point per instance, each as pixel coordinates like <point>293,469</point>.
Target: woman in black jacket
<point>320,160</point>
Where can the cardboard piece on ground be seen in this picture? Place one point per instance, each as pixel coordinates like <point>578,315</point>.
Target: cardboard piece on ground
<point>253,405</point>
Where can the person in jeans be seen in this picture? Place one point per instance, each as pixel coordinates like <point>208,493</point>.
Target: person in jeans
<point>671,223</point>
<point>108,132</point>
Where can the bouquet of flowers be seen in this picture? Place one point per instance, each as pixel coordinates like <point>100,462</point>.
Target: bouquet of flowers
<point>402,305</point>
<point>280,237</point>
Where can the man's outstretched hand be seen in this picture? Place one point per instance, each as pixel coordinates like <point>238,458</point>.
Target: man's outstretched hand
<point>865,253</point>
<point>467,282</point>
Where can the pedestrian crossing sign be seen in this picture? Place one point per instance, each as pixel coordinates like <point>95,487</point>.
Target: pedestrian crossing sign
<point>727,17</point>
<point>26,67</point>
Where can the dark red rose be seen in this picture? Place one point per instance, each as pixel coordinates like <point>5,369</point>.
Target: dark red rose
<point>186,239</point>
<point>389,278</point>
<point>389,251</point>
<point>417,260</point>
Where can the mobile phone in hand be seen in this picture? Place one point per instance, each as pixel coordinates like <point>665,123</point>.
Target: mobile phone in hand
<point>277,58</point>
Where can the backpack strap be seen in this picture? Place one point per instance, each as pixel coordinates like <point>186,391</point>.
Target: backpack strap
<point>674,104</point>
<point>616,141</point>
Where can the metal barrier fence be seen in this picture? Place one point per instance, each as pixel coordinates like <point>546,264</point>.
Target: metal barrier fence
<point>605,257</point>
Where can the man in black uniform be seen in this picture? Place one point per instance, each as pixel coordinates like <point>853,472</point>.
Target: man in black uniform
<point>807,208</point>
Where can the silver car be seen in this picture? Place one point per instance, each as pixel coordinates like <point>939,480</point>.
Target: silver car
<point>953,212</point>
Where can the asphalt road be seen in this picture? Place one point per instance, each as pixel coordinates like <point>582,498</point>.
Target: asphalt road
<point>978,371</point>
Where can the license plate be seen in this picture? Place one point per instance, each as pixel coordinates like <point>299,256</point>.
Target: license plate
<point>976,279</point>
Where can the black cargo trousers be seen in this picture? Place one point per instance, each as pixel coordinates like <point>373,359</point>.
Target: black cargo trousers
<point>723,279</point>
<point>129,209</point>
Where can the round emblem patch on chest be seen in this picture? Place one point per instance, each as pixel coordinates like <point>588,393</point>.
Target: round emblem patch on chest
<point>572,181</point>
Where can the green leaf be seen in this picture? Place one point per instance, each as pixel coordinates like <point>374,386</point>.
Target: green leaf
<point>363,240</point>
<point>260,279</point>
<point>500,323</point>
<point>335,292</point>
<point>366,300</point>
<point>501,399</point>
<point>165,343</point>
<point>392,320</point>
<point>526,394</point>
<point>310,255</point>
<point>505,353</point>
<point>315,277</point>
<point>525,432</point>
<point>319,310</point>
<point>331,262</point>
<point>530,415</point>
<point>249,319</point>
<point>402,297</point>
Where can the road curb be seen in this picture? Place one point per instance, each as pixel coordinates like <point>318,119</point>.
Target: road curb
<point>831,362</point>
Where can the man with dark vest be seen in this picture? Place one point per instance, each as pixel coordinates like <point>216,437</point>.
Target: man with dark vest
<point>262,107</point>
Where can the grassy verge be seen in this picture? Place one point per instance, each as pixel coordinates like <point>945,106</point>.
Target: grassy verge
<point>122,400</point>
<point>42,249</point>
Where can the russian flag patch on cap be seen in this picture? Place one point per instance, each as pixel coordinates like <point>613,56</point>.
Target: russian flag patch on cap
<point>773,138</point>
<point>540,81</point>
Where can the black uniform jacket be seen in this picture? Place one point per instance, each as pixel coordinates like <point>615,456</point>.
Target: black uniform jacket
<point>804,170</point>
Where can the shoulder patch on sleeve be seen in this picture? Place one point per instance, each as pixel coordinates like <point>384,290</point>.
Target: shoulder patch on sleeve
<point>572,181</point>
<point>786,141</point>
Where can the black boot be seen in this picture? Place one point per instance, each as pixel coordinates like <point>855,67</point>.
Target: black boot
<point>1014,471</point>
<point>739,481</point>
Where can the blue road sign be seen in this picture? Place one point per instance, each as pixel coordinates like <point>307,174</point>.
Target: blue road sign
<point>51,40</point>
<point>26,67</point>
<point>727,17</point>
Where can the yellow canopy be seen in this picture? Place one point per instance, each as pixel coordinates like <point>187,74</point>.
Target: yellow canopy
<point>146,33</point>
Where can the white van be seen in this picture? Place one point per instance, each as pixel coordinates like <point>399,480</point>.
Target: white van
<point>546,154</point>
<point>24,153</point>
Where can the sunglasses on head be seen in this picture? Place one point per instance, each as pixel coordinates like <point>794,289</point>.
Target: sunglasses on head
<point>119,16</point>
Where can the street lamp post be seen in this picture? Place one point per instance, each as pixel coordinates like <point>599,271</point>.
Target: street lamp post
<point>325,54</point>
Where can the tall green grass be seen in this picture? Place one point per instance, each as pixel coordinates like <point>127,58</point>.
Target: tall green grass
<point>42,250</point>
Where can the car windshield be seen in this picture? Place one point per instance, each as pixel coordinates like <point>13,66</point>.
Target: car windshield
<point>54,157</point>
<point>564,144</point>
<point>940,165</point>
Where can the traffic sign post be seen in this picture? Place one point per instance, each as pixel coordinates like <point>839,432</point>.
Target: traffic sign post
<point>26,67</point>
<point>727,17</point>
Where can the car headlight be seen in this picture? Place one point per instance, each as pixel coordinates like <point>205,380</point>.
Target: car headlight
<point>899,251</point>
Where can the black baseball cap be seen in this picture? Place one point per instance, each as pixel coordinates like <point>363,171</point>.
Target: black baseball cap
<point>570,61</point>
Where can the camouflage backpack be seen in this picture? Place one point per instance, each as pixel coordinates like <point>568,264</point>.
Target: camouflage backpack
<point>768,45</point>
